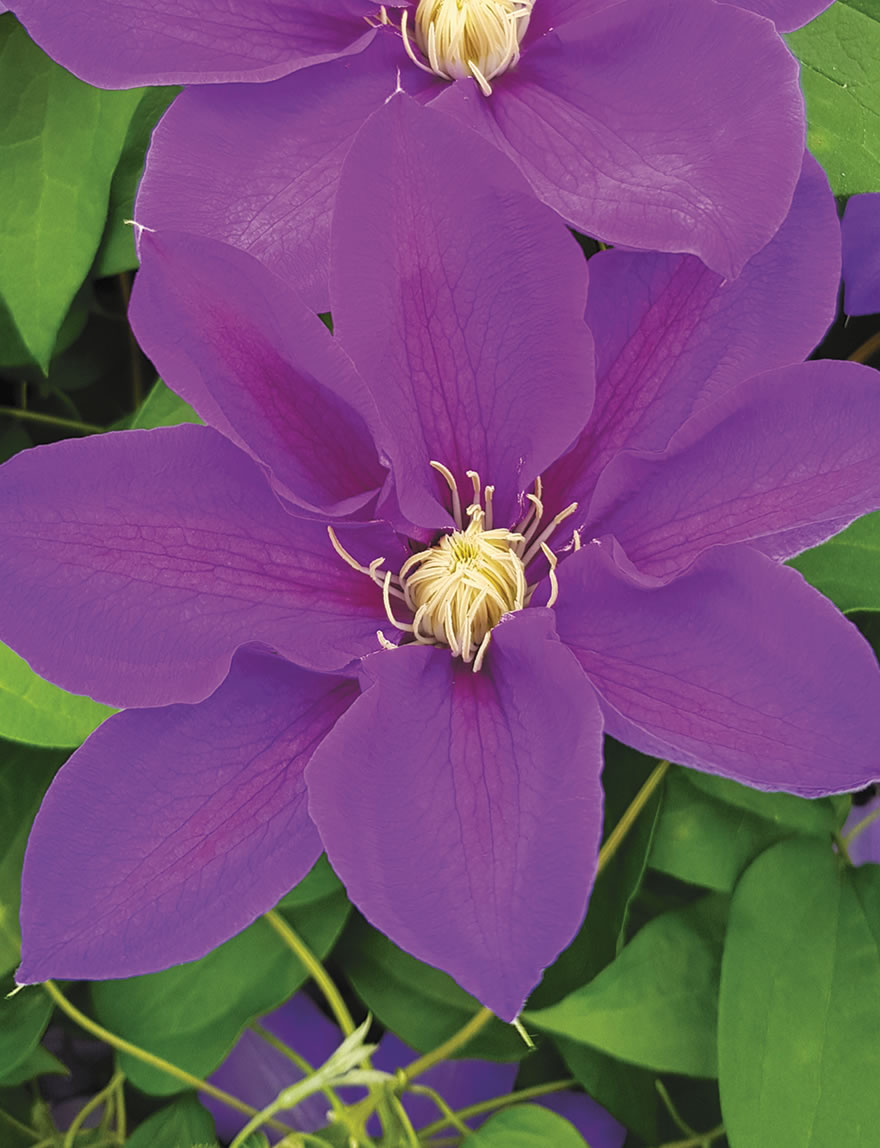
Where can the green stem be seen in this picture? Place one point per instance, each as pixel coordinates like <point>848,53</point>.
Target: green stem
<point>51,420</point>
<point>450,1117</point>
<point>699,1140</point>
<point>87,1109</point>
<point>141,1054</point>
<point>867,350</point>
<point>500,1102</point>
<point>860,827</point>
<point>315,970</point>
<point>638,803</point>
<point>443,1051</point>
<point>405,1122</point>
<point>300,1061</point>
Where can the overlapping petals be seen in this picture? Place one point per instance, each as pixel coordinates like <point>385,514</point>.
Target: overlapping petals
<point>451,801</point>
<point>861,255</point>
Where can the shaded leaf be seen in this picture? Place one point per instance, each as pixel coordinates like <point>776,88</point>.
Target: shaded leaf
<point>32,710</point>
<point>846,568</point>
<point>526,1126</point>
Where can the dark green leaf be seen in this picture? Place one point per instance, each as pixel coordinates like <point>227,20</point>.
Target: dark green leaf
<point>34,711</point>
<point>193,1014</point>
<point>38,1062</point>
<point>840,74</point>
<point>800,1002</point>
<point>23,1020</point>
<point>711,828</point>
<point>25,774</point>
<point>419,1003</point>
<point>656,1004</point>
<point>846,568</point>
<point>526,1126</point>
<point>60,141</point>
<point>182,1124</point>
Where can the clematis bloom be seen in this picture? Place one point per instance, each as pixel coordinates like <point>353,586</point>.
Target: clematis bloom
<point>674,125</point>
<point>604,553</point>
<point>256,1072</point>
<point>861,254</point>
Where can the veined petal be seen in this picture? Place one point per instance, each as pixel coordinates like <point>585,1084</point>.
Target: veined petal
<point>790,451</point>
<point>172,829</point>
<point>671,335</point>
<point>242,348</point>
<point>674,125</point>
<point>737,667</point>
<point>125,43</point>
<point>459,297</point>
<point>463,811</point>
<point>257,166</point>
<point>787,14</point>
<point>861,255</point>
<point>134,564</point>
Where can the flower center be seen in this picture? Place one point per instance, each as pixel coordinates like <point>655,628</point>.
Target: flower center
<point>461,38</point>
<point>459,589</point>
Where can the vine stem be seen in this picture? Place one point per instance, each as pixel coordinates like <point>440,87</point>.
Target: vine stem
<point>867,350</point>
<point>18,1126</point>
<point>463,1114</point>
<point>700,1140</point>
<point>51,420</point>
<point>638,803</point>
<point>141,1054</point>
<point>315,969</point>
<point>87,1109</point>
<point>458,1040</point>
<point>860,826</point>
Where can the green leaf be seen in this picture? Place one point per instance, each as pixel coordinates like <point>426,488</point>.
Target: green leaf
<point>602,934</point>
<point>162,408</point>
<point>800,1002</point>
<point>711,828</point>
<point>840,74</point>
<point>25,774</point>
<point>526,1126</point>
<point>117,251</point>
<point>182,1124</point>
<point>422,1005</point>
<point>60,141</point>
<point>193,1014</point>
<point>846,568</point>
<point>656,1004</point>
<point>38,1062</point>
<point>34,711</point>
<point>23,1020</point>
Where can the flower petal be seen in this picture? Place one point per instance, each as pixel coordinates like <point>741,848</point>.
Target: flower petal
<point>787,14</point>
<point>861,254</point>
<point>675,125</point>
<point>463,811</point>
<point>749,467</point>
<point>738,668</point>
<point>671,335</point>
<point>125,43</point>
<point>172,829</point>
<point>242,348</point>
<point>135,563</point>
<point>597,1126</point>
<point>459,298</point>
<point>257,166</point>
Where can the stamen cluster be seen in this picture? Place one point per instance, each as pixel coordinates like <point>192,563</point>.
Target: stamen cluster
<point>461,38</point>
<point>459,589</point>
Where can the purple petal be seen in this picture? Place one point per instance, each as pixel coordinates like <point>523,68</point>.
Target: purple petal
<point>242,348</point>
<point>675,125</point>
<point>787,14</point>
<point>459,298</point>
<point>751,466</point>
<point>671,335</point>
<point>122,45</point>
<point>597,1126</point>
<point>861,254</point>
<point>172,829</point>
<point>738,667</point>
<point>463,810</point>
<point>256,1072</point>
<point>134,564</point>
<point>257,166</point>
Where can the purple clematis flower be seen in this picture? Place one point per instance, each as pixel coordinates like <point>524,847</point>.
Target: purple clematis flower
<point>861,255</point>
<point>635,587</point>
<point>674,125</point>
<point>256,1072</point>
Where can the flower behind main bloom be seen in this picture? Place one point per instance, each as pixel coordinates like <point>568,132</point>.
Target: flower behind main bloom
<point>673,125</point>
<point>195,564</point>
